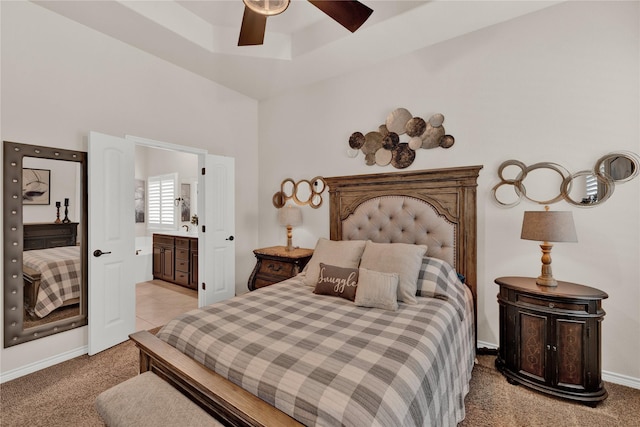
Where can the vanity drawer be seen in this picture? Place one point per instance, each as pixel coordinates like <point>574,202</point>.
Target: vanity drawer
<point>182,243</point>
<point>162,240</point>
<point>182,254</point>
<point>182,265</point>
<point>182,278</point>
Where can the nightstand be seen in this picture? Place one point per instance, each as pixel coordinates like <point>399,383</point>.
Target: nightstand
<point>550,338</point>
<point>276,264</point>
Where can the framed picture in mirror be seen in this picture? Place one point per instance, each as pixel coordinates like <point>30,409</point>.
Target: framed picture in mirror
<point>36,185</point>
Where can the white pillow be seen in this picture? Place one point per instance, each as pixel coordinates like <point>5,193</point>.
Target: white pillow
<point>341,253</point>
<point>376,289</point>
<point>402,258</point>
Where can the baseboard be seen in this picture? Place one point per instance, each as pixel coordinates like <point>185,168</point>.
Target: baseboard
<point>610,377</point>
<point>484,348</point>
<point>41,364</point>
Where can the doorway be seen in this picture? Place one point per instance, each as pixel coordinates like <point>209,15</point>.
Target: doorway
<point>111,233</point>
<point>160,298</point>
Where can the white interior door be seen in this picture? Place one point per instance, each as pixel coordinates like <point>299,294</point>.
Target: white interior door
<point>112,298</point>
<point>217,267</point>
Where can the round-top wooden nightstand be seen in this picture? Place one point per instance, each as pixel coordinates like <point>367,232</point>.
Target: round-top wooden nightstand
<point>550,338</point>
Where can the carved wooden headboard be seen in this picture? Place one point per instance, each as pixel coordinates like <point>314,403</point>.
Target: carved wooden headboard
<point>434,207</point>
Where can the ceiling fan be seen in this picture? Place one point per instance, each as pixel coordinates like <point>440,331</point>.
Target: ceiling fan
<point>351,14</point>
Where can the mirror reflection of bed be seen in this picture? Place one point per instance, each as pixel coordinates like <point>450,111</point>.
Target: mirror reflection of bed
<point>52,273</point>
<point>52,268</point>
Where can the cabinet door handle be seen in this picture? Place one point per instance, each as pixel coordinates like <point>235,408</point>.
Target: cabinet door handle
<point>548,347</point>
<point>551,305</point>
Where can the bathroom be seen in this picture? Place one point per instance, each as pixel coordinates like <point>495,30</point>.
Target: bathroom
<point>156,172</point>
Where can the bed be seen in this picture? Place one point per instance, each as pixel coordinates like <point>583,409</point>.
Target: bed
<point>331,360</point>
<point>52,279</point>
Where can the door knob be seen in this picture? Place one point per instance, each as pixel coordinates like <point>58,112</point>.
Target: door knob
<point>229,238</point>
<point>98,253</point>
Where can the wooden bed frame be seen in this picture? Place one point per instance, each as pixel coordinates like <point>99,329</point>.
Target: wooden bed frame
<point>451,192</point>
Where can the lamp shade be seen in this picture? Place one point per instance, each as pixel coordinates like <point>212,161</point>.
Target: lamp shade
<point>549,226</point>
<point>290,216</point>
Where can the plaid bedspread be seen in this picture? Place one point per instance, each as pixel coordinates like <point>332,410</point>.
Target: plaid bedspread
<point>60,276</point>
<point>326,362</point>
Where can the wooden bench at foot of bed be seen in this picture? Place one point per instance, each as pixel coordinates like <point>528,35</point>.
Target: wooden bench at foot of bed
<point>218,396</point>
<point>148,401</point>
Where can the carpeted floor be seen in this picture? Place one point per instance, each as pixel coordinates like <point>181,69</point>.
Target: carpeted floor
<point>492,401</point>
<point>63,395</point>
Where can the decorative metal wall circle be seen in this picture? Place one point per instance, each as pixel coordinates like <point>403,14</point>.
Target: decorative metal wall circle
<point>303,192</point>
<point>604,184</point>
<point>564,174</point>
<point>504,181</point>
<point>619,166</point>
<point>593,186</point>
<point>383,146</point>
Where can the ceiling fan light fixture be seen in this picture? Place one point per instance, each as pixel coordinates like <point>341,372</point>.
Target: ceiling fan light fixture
<point>267,7</point>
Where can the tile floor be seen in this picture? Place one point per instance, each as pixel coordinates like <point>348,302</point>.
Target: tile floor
<point>157,302</point>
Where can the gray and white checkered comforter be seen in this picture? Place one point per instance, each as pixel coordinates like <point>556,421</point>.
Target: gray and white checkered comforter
<point>60,276</point>
<point>326,362</point>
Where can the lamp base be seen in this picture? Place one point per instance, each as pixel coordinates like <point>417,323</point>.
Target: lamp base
<point>289,246</point>
<point>546,281</point>
<point>546,277</point>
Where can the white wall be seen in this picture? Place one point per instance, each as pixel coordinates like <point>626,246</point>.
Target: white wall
<point>61,80</point>
<point>560,85</point>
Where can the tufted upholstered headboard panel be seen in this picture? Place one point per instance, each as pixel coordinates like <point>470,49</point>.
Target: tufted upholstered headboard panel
<point>402,219</point>
<point>435,207</point>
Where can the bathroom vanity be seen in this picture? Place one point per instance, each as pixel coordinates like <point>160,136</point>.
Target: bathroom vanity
<point>175,259</point>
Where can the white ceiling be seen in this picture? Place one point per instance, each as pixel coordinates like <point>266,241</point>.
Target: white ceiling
<point>301,46</point>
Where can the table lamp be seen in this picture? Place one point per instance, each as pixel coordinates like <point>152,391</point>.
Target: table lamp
<point>289,216</point>
<point>548,226</point>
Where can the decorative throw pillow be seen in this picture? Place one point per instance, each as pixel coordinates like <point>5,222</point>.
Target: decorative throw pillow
<point>402,258</point>
<point>337,281</point>
<point>378,290</point>
<point>341,253</point>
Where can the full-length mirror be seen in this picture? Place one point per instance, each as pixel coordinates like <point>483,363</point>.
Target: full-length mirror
<point>45,241</point>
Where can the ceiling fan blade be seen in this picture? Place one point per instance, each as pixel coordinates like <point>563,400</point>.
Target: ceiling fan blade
<point>252,29</point>
<point>351,14</point>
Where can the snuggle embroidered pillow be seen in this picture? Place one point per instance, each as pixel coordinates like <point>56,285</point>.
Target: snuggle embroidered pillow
<point>341,253</point>
<point>337,281</point>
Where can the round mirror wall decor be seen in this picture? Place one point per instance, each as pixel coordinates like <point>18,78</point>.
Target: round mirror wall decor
<point>586,188</point>
<point>303,192</point>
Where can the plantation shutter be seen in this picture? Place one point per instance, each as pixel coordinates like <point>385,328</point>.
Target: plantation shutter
<point>161,195</point>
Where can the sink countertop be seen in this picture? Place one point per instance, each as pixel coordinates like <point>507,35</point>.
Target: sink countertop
<point>178,233</point>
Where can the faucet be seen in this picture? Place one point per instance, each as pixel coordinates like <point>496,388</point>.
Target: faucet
<point>186,227</point>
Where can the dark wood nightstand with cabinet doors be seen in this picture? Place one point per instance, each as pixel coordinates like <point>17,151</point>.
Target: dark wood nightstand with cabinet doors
<point>550,338</point>
<point>276,264</point>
